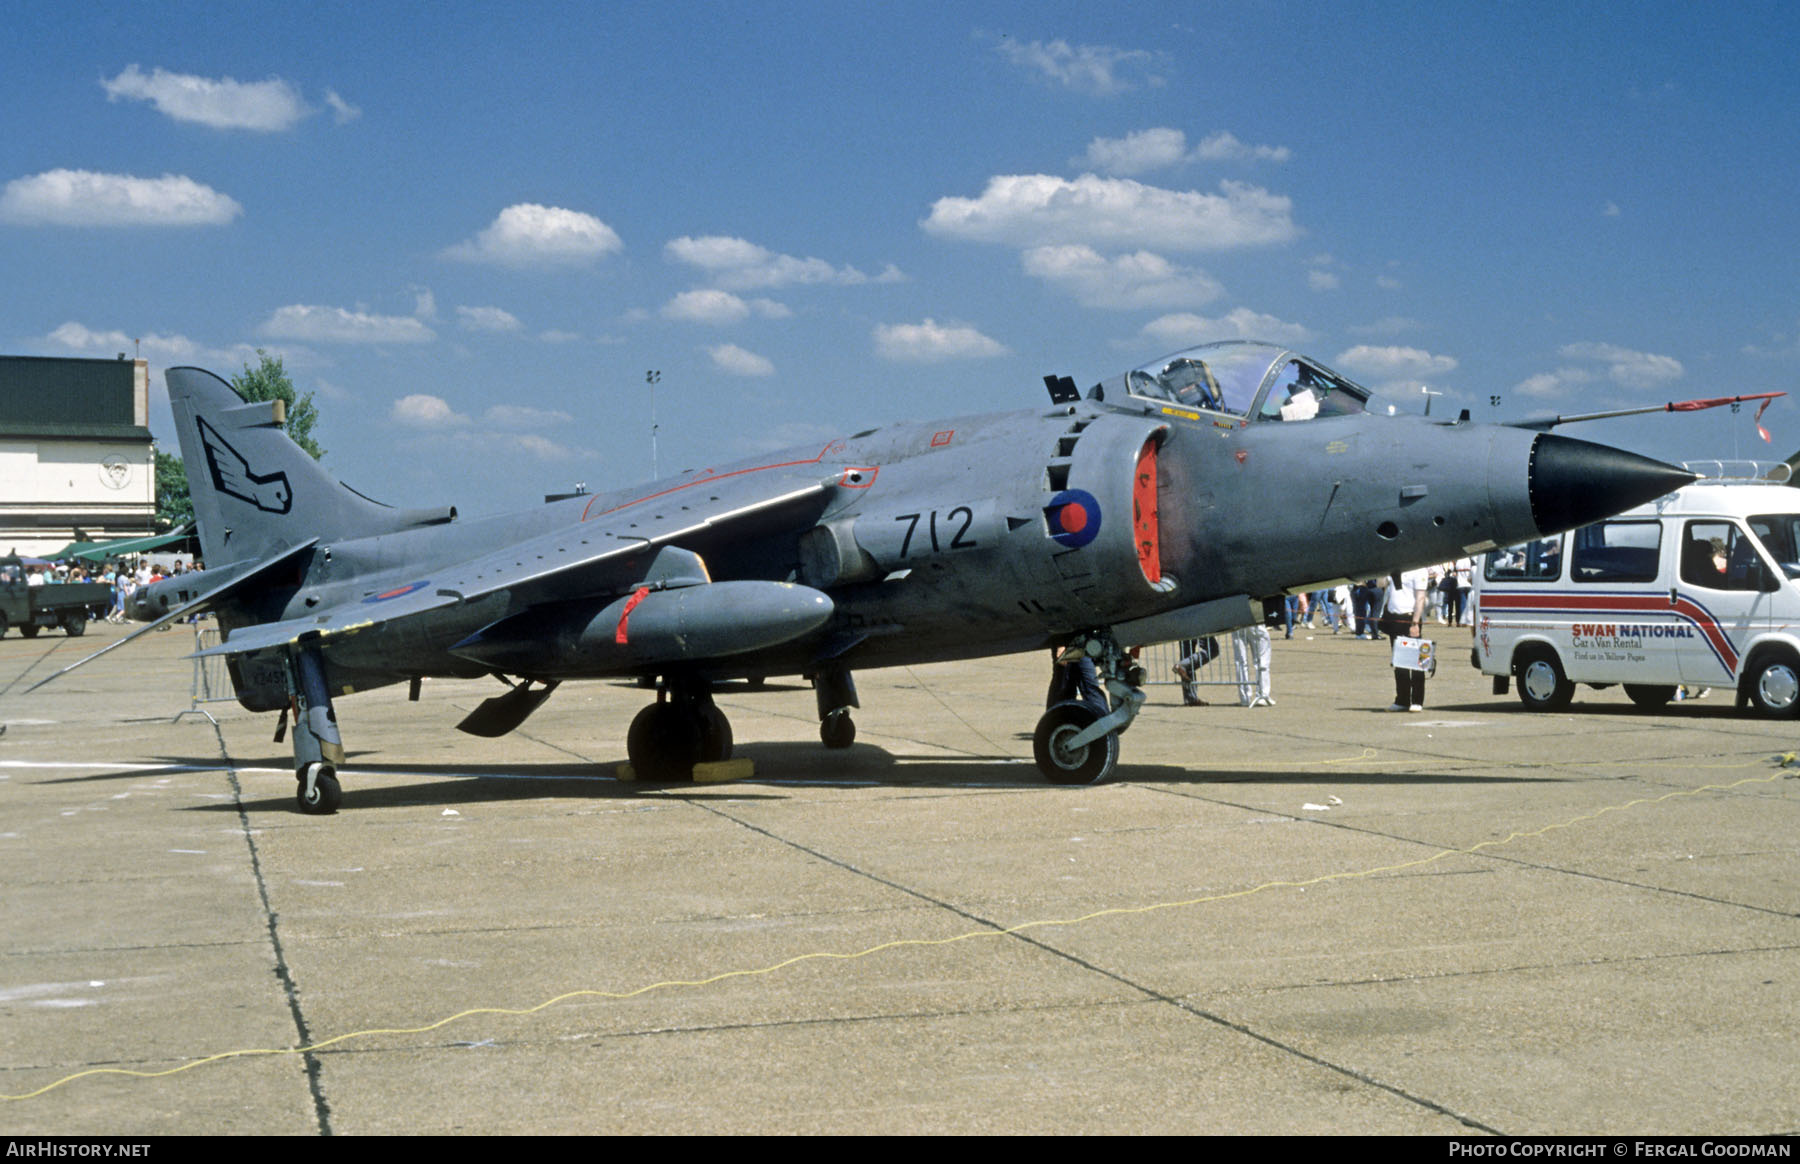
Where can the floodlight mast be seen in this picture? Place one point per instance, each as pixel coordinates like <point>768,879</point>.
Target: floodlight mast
<point>650,378</point>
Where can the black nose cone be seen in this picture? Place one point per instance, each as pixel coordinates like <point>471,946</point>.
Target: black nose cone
<point>1574,482</point>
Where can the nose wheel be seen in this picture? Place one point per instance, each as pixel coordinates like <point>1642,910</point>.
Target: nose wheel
<point>1060,759</point>
<point>1077,741</point>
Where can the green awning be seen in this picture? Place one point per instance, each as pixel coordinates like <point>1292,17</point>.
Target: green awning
<point>100,551</point>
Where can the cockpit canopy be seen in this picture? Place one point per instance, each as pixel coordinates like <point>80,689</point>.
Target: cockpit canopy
<point>1242,378</point>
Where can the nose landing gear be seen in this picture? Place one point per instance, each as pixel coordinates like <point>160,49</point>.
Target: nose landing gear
<point>1077,741</point>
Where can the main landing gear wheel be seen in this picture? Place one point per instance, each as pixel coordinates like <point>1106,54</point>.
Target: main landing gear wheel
<point>319,792</point>
<point>715,736</point>
<point>663,744</point>
<point>670,736</point>
<point>837,730</point>
<point>1087,764</point>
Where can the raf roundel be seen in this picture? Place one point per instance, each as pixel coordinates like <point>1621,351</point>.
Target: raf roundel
<point>1074,518</point>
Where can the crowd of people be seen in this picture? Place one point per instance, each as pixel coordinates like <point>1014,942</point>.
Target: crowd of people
<point>1358,608</point>
<point>1401,606</point>
<point>125,578</point>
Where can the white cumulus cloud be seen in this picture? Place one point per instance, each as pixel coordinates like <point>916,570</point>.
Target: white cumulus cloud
<point>1548,385</point>
<point>741,265</point>
<point>931,342</point>
<point>487,319</point>
<point>1225,147</point>
<point>1184,329</point>
<point>735,360</point>
<point>339,325</point>
<point>1141,279</point>
<point>1097,70</point>
<point>711,305</point>
<point>1393,361</point>
<point>165,350</point>
<point>707,305</point>
<point>530,235</point>
<point>85,198</point>
<point>421,410</point>
<point>266,106</point>
<point>1043,210</point>
<point>1159,148</point>
<point>341,110</point>
<point>1136,153</point>
<point>1624,366</point>
<point>543,448</point>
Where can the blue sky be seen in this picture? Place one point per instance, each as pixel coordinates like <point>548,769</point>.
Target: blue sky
<point>470,230</point>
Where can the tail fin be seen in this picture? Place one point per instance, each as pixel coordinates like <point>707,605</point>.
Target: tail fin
<point>255,491</point>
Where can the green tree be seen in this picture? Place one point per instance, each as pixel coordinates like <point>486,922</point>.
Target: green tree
<point>268,380</point>
<point>174,506</point>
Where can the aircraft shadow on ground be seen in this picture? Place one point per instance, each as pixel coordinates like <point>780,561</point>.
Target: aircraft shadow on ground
<point>373,784</point>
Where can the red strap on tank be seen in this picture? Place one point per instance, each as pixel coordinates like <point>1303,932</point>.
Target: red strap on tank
<point>637,596</point>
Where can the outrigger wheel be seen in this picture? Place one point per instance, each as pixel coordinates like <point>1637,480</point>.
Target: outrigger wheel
<point>319,792</point>
<point>837,729</point>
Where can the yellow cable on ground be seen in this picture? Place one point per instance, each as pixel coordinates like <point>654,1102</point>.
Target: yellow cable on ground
<point>1784,763</point>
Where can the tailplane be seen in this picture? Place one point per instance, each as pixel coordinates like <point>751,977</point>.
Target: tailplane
<point>256,492</point>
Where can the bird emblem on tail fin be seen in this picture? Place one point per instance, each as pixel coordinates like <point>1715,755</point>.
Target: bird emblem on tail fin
<point>231,474</point>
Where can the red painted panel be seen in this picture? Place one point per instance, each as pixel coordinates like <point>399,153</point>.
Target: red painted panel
<point>1144,527</point>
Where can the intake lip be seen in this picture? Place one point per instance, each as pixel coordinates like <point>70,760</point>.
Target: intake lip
<point>1573,482</point>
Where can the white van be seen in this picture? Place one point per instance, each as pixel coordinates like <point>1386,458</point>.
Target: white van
<point>1694,589</point>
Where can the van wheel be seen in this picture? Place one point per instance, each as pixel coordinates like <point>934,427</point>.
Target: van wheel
<point>1774,686</point>
<point>1542,684</point>
<point>1650,696</point>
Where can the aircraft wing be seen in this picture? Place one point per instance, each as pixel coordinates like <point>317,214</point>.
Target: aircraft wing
<point>607,560</point>
<point>337,622</point>
<point>601,557</point>
<point>228,583</point>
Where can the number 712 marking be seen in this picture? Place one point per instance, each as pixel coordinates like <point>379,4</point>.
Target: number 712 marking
<point>958,540</point>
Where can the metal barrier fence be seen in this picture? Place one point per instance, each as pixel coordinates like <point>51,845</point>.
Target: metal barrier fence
<point>1217,669</point>
<point>212,679</point>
